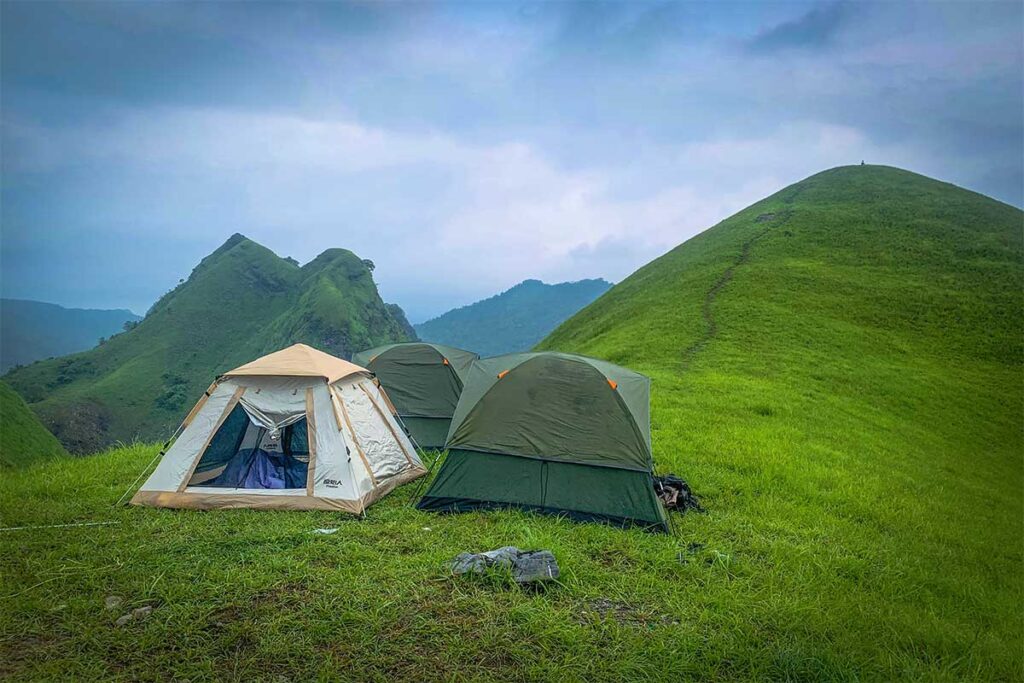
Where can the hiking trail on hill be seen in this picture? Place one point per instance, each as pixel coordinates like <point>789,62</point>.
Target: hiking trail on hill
<point>776,220</point>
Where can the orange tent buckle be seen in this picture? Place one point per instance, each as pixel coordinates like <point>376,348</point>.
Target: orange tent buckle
<point>612,383</point>
<point>502,374</point>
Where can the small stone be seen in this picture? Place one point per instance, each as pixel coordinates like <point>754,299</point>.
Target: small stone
<point>142,612</point>
<point>113,601</point>
<point>123,619</point>
<point>526,566</point>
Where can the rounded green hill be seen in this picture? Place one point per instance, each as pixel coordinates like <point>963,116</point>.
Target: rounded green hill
<point>23,439</point>
<point>837,370</point>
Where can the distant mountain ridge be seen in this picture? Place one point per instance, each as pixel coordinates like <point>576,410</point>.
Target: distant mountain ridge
<point>514,320</point>
<point>240,302</point>
<point>33,330</point>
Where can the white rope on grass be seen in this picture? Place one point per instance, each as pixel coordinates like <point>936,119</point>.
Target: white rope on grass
<point>55,526</point>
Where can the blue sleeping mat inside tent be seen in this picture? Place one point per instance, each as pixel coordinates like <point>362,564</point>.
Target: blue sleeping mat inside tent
<point>255,468</point>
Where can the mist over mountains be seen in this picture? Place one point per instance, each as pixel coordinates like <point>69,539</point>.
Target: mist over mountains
<point>513,320</point>
<point>33,330</point>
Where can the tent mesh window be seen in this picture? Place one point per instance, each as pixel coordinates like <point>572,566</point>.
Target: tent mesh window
<point>245,455</point>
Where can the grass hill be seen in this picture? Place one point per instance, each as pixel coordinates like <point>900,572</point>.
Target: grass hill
<point>32,330</point>
<point>514,320</point>
<point>837,371</point>
<point>240,302</point>
<point>23,440</point>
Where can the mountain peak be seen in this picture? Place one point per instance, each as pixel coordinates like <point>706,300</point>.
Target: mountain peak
<point>230,243</point>
<point>242,301</point>
<point>534,283</point>
<point>855,182</point>
<point>332,256</point>
<point>235,239</point>
<point>865,218</point>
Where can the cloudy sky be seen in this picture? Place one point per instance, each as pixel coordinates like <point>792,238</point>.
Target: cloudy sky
<point>465,147</point>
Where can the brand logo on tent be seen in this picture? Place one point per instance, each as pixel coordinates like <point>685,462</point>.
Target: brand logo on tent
<point>333,483</point>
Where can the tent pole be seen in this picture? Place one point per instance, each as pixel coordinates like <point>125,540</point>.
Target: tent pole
<point>394,411</point>
<point>423,480</point>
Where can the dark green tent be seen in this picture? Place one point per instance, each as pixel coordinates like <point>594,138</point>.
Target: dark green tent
<point>424,382</point>
<point>555,433</point>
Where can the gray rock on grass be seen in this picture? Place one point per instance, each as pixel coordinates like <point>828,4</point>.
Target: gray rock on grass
<point>139,613</point>
<point>526,566</point>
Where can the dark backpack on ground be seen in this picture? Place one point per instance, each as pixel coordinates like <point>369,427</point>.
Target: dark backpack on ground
<point>676,494</point>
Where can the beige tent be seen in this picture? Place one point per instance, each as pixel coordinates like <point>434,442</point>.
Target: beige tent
<point>295,430</point>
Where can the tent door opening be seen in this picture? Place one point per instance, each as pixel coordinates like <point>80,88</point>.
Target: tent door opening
<point>246,455</point>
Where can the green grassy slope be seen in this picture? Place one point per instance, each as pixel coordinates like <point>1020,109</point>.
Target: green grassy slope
<point>514,320</point>
<point>240,302</point>
<point>838,370</point>
<point>858,456</point>
<point>23,439</point>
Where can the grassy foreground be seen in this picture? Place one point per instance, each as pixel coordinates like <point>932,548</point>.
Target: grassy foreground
<point>243,594</point>
<point>761,587</point>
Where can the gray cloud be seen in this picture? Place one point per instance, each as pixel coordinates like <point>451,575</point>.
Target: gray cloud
<point>518,141</point>
<point>814,30</point>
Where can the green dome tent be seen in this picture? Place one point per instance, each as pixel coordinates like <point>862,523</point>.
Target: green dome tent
<point>554,433</point>
<point>424,382</point>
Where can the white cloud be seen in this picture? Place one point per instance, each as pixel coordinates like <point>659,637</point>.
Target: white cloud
<point>423,204</point>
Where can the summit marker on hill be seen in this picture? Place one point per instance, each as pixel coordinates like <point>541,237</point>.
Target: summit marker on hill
<point>242,301</point>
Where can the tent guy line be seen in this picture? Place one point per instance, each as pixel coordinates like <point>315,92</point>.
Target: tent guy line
<point>55,526</point>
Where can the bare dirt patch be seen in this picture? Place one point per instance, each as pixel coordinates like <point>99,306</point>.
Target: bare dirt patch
<point>620,612</point>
